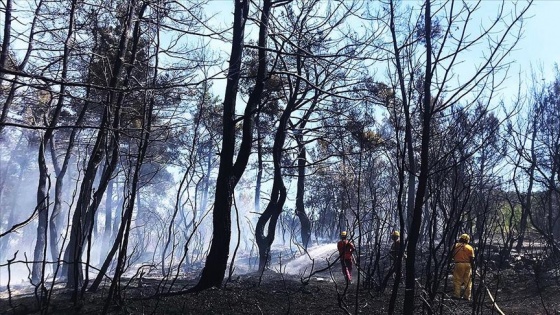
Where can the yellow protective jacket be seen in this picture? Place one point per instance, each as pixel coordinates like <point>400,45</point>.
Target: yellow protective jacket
<point>462,253</point>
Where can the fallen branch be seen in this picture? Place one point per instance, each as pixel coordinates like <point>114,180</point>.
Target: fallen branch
<point>494,304</point>
<point>305,280</point>
<point>24,223</point>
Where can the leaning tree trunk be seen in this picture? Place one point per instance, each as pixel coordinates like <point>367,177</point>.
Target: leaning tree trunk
<point>127,217</point>
<point>88,203</point>
<point>121,240</point>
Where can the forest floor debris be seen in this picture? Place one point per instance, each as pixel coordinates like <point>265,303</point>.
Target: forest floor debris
<point>276,293</point>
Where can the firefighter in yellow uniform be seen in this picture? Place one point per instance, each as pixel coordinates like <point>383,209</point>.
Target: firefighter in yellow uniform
<point>463,255</point>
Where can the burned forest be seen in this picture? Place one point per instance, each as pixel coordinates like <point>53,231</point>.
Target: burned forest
<point>278,157</point>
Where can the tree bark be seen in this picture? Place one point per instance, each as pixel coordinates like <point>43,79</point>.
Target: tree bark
<point>229,173</point>
<point>108,229</point>
<point>526,204</point>
<point>43,208</point>
<point>42,190</point>
<point>6,39</point>
<point>408,305</point>
<point>89,200</point>
<point>270,215</point>
<point>258,181</point>
<point>23,63</point>
<point>4,57</point>
<point>300,207</point>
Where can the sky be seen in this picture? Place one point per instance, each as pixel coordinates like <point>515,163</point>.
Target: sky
<point>539,47</point>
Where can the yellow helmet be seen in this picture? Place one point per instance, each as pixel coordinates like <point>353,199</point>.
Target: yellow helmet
<point>465,237</point>
<point>343,234</point>
<point>395,233</point>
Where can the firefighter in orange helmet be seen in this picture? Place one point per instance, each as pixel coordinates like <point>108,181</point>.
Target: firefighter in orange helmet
<point>345,250</point>
<point>463,255</point>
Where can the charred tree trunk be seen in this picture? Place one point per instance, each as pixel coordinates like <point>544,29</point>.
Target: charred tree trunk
<point>526,204</point>
<point>6,51</point>
<point>404,214</point>
<point>108,229</point>
<point>121,240</point>
<point>6,42</point>
<point>80,221</point>
<point>89,200</point>
<point>42,190</point>
<point>228,172</point>
<point>55,221</point>
<point>4,56</point>
<point>302,165</point>
<point>128,211</point>
<point>408,305</point>
<point>206,183</point>
<point>13,196</point>
<point>258,181</point>
<point>43,208</point>
<point>270,215</point>
<point>300,207</point>
<point>214,269</point>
